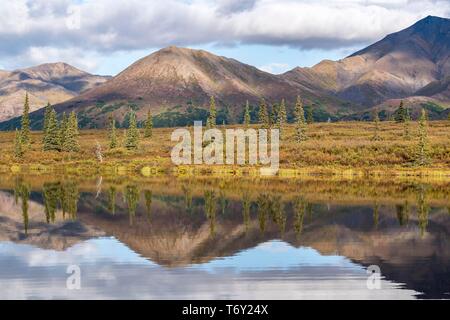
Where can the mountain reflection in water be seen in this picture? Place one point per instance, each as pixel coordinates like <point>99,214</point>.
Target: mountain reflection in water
<point>172,238</point>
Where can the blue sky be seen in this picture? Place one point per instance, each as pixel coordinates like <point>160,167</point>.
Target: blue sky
<point>105,36</point>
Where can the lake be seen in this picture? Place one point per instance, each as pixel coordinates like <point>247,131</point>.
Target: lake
<point>169,237</point>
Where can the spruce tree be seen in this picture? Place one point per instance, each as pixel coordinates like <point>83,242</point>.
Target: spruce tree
<point>300,124</point>
<point>211,122</point>
<point>132,137</point>
<point>376,120</point>
<point>148,132</point>
<point>18,145</point>
<point>422,153</point>
<point>63,126</point>
<point>273,119</point>
<point>406,125</point>
<point>48,109</point>
<point>263,116</point>
<point>70,143</point>
<point>282,116</point>
<point>247,115</point>
<point>51,136</point>
<point>400,114</point>
<point>25,131</point>
<point>112,134</point>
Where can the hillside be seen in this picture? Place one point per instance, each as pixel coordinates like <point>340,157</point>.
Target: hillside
<point>50,82</point>
<point>398,66</point>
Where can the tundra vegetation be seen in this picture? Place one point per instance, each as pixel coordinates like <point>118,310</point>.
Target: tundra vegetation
<point>403,144</point>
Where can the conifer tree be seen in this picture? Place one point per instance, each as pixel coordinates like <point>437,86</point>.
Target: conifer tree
<point>406,125</point>
<point>112,134</point>
<point>63,126</point>
<point>422,153</point>
<point>48,109</point>
<point>132,135</point>
<point>148,132</point>
<point>211,121</point>
<point>300,124</point>
<point>263,116</point>
<point>18,145</point>
<point>376,120</point>
<point>400,114</point>
<point>51,136</point>
<point>25,131</point>
<point>282,116</point>
<point>70,143</point>
<point>273,119</point>
<point>247,115</point>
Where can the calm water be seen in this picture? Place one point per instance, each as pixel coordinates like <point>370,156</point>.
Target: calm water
<point>172,238</point>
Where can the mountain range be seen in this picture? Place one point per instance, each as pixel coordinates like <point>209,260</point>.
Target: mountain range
<point>50,82</point>
<point>176,83</point>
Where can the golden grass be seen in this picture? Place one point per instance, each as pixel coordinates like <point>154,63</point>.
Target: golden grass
<point>343,148</point>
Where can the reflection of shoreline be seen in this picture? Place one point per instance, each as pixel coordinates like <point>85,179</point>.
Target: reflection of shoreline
<point>173,236</point>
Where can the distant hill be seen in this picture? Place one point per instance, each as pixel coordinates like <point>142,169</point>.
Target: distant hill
<point>50,82</point>
<point>401,65</point>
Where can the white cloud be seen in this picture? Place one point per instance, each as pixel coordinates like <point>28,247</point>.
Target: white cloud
<point>108,26</point>
<point>275,67</point>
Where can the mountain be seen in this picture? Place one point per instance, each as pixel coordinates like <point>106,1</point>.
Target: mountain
<point>176,81</point>
<point>401,65</point>
<point>50,82</point>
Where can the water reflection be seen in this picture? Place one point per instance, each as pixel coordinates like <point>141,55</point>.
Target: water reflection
<point>178,227</point>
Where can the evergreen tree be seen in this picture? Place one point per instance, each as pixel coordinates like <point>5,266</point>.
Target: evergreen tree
<point>422,153</point>
<point>18,145</point>
<point>400,113</point>
<point>63,126</point>
<point>148,132</point>
<point>263,116</point>
<point>70,142</point>
<point>247,115</point>
<point>132,135</point>
<point>376,120</point>
<point>282,116</point>
<point>300,124</point>
<point>112,134</point>
<point>25,131</point>
<point>406,125</point>
<point>309,115</point>
<point>48,109</point>
<point>273,119</point>
<point>211,122</point>
<point>51,136</point>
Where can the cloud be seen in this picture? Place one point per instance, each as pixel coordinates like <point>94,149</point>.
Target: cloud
<point>106,26</point>
<point>275,67</point>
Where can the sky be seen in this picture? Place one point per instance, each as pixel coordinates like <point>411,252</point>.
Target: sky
<point>106,36</point>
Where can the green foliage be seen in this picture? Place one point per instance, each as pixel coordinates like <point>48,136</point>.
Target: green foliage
<point>70,142</point>
<point>282,115</point>
<point>132,135</point>
<point>48,109</point>
<point>300,123</point>
<point>273,119</point>
<point>423,152</point>
<point>247,115</point>
<point>25,136</point>
<point>64,124</point>
<point>148,202</point>
<point>406,126</point>
<point>148,132</point>
<point>52,134</point>
<point>400,114</point>
<point>263,115</point>
<point>51,193</point>
<point>18,145</point>
<point>211,122</point>
<point>112,134</point>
